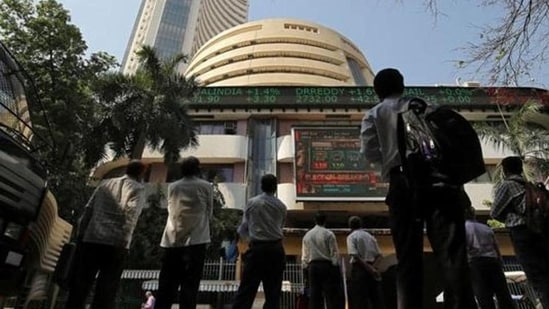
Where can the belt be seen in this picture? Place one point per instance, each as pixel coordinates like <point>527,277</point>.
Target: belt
<point>396,170</point>
<point>320,261</point>
<point>265,242</point>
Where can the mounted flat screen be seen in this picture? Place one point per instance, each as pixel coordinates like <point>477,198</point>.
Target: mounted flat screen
<point>328,166</point>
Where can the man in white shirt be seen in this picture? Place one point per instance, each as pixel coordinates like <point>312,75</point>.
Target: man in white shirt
<point>365,281</point>
<point>414,206</point>
<point>187,232</point>
<point>320,258</point>
<point>149,304</point>
<point>262,222</point>
<point>104,233</point>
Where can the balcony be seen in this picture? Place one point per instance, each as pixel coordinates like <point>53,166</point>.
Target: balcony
<point>285,146</point>
<point>286,193</point>
<point>234,194</point>
<point>478,193</point>
<point>212,149</point>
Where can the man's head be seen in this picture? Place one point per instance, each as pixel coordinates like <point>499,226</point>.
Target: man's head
<point>355,223</point>
<point>388,82</point>
<point>269,183</point>
<point>148,294</point>
<point>136,169</point>
<point>512,166</point>
<point>190,166</point>
<point>320,218</point>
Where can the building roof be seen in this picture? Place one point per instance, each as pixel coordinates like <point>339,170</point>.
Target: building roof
<point>280,52</point>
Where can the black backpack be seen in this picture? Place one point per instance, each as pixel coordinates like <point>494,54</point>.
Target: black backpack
<point>438,145</point>
<point>536,210</point>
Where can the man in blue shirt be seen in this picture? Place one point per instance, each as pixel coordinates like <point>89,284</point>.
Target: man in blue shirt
<point>487,275</point>
<point>262,222</point>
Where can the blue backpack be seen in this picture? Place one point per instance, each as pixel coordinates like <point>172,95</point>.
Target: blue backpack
<point>438,145</point>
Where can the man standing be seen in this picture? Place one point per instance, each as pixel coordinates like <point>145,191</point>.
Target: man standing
<point>411,208</point>
<point>320,258</point>
<point>262,222</point>
<point>487,274</point>
<point>149,304</point>
<point>187,232</point>
<point>104,232</point>
<point>365,282</point>
<point>531,248</point>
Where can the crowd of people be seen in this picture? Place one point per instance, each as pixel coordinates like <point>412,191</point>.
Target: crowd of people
<point>466,250</point>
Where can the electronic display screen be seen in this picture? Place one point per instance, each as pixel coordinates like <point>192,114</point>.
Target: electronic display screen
<point>295,97</point>
<point>329,166</point>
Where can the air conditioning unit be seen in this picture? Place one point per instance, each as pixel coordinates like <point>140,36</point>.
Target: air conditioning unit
<point>471,84</point>
<point>230,127</point>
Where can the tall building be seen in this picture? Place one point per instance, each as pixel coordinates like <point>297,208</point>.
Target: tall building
<point>180,26</point>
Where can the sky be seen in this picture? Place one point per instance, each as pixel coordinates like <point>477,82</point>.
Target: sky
<point>399,34</point>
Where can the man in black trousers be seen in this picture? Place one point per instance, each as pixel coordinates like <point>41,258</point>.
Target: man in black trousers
<point>262,222</point>
<point>412,206</point>
<point>320,258</point>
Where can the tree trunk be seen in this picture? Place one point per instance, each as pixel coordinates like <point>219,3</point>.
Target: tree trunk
<point>139,147</point>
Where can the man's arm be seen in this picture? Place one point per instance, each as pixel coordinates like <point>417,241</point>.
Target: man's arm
<point>500,203</point>
<point>84,220</point>
<point>352,251</point>
<point>136,201</point>
<point>304,253</point>
<point>243,227</point>
<point>379,256</point>
<point>332,244</point>
<point>210,202</point>
<point>369,141</point>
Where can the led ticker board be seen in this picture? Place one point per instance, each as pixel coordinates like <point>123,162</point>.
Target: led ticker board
<point>329,167</point>
<point>362,97</point>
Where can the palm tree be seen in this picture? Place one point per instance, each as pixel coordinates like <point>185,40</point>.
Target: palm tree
<point>521,136</point>
<point>146,108</point>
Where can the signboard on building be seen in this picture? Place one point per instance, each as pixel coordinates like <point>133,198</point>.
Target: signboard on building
<point>363,97</point>
<point>329,167</point>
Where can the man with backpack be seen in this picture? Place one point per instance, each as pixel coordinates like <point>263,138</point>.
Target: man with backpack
<point>531,247</point>
<point>413,206</point>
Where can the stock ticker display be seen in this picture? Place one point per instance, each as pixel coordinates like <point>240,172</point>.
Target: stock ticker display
<point>363,96</point>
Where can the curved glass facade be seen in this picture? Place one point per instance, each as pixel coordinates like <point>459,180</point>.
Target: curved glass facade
<point>180,26</point>
<point>356,71</point>
<point>173,24</point>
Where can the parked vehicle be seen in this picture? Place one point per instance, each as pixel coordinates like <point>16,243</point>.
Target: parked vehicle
<point>23,178</point>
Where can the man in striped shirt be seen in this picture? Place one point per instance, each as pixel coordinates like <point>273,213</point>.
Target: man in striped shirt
<point>531,248</point>
<point>105,232</point>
